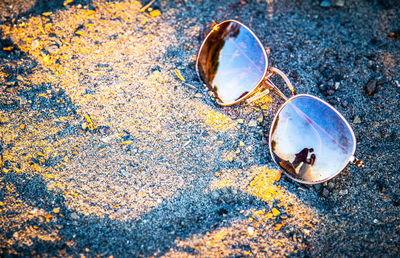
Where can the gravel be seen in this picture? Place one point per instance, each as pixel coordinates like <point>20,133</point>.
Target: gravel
<point>110,144</point>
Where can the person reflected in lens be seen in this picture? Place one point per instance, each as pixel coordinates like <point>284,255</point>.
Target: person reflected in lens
<point>305,169</point>
<point>301,165</point>
<point>301,156</point>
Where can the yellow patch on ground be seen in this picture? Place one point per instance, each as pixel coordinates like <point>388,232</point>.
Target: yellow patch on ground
<point>215,119</point>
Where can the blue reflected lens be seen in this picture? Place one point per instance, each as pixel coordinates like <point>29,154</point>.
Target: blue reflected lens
<point>231,62</point>
<point>310,140</point>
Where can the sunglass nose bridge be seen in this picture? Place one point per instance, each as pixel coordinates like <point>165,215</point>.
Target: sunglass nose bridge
<point>270,84</point>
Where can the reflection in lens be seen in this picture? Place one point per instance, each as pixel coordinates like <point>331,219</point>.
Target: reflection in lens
<point>310,140</point>
<point>231,62</point>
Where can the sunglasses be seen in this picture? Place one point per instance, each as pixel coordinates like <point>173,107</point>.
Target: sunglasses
<point>309,139</point>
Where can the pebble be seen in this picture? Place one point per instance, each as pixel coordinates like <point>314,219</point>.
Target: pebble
<point>325,192</point>
<point>371,87</point>
<point>253,123</point>
<point>376,221</point>
<point>84,126</point>
<point>344,192</point>
<point>240,121</point>
<point>104,139</point>
<point>337,84</point>
<point>397,83</point>
<point>325,3</point>
<point>357,120</point>
<point>250,231</point>
<point>275,212</point>
<point>339,3</point>
<point>53,49</point>
<point>34,211</point>
<point>74,216</point>
<point>215,194</point>
<point>198,95</point>
<point>35,44</point>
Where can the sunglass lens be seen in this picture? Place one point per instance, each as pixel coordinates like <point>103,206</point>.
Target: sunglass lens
<point>231,62</point>
<point>310,140</point>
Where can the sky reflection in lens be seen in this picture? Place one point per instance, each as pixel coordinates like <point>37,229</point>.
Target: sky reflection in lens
<point>231,62</point>
<point>310,140</point>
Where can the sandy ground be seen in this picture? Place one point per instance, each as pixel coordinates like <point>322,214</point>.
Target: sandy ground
<point>111,146</point>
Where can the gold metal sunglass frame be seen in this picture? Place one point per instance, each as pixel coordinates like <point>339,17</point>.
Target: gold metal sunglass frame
<point>262,88</point>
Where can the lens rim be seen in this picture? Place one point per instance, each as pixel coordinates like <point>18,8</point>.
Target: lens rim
<point>337,112</point>
<point>265,68</point>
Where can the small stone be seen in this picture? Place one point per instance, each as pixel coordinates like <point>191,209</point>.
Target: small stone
<point>230,156</point>
<point>240,121</point>
<point>84,125</point>
<point>344,192</point>
<point>80,30</point>
<point>35,44</point>
<point>22,126</point>
<point>53,49</point>
<point>371,87</point>
<point>376,221</point>
<point>330,92</point>
<point>250,231</point>
<point>397,83</point>
<point>74,216</point>
<point>339,3</point>
<point>345,103</point>
<point>241,144</point>
<point>357,120</point>
<point>34,211</point>
<point>337,84</point>
<point>331,185</point>
<point>155,13</point>
<point>105,139</point>
<point>253,123</point>
<point>275,212</point>
<point>278,176</point>
<point>325,3</point>
<point>198,95</point>
<point>325,192</point>
<point>215,194</point>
